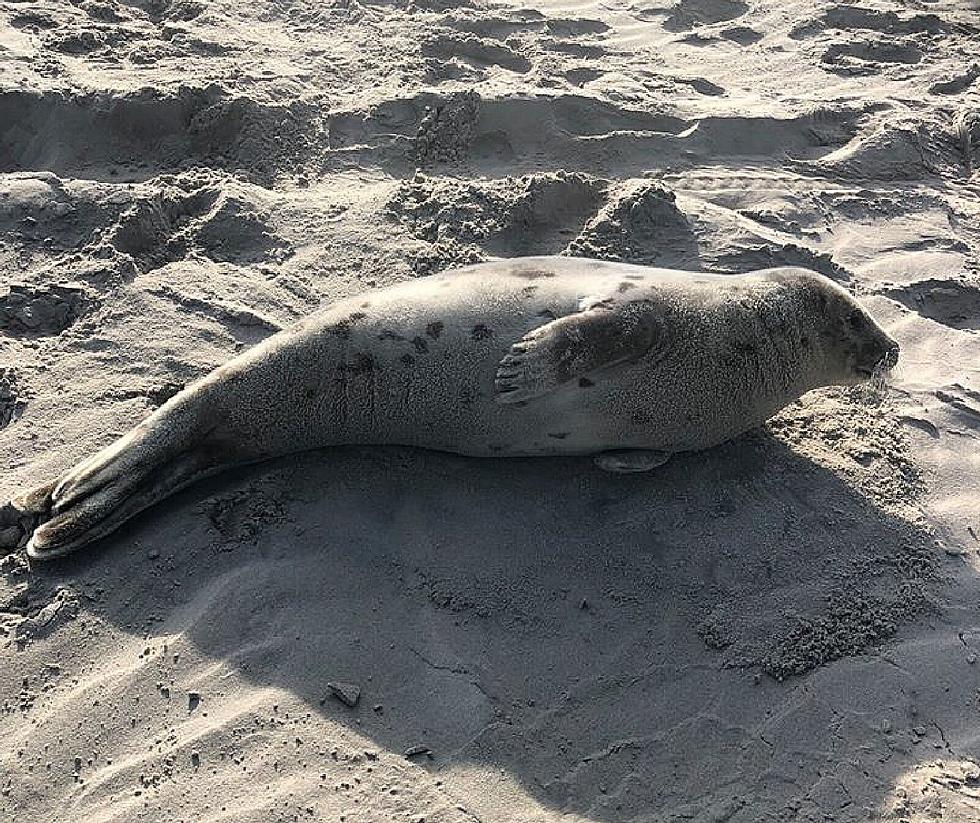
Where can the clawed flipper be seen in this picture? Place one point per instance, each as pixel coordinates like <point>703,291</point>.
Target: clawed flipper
<point>159,456</point>
<point>22,515</point>
<point>571,347</point>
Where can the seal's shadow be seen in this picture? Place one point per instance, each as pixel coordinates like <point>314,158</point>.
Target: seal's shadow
<point>583,632</point>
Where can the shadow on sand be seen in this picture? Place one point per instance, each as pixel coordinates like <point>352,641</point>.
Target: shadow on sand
<point>614,645</point>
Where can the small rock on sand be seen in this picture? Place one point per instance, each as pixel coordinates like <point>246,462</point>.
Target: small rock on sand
<point>346,693</point>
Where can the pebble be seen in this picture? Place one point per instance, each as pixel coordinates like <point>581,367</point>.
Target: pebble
<point>346,693</point>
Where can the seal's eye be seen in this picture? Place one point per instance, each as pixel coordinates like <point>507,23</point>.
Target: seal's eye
<point>855,320</point>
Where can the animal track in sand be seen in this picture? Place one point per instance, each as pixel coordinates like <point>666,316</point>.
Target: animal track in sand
<point>954,303</point>
<point>867,56</point>
<point>743,35</point>
<point>94,134</point>
<point>33,20</point>
<point>688,14</point>
<point>183,216</point>
<point>900,150</point>
<point>850,18</point>
<point>506,23</point>
<point>768,255</point>
<point>957,83</point>
<point>41,310</point>
<point>536,214</point>
<point>448,46</point>
<point>241,516</point>
<point>965,401</point>
<point>595,134</point>
<point>581,76</point>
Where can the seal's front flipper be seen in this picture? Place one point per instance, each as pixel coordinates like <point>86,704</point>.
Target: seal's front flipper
<point>631,462</point>
<point>571,347</point>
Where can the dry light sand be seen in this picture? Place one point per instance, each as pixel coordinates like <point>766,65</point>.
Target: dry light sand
<point>786,628</point>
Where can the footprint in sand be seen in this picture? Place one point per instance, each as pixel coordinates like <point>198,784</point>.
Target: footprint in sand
<point>954,303</point>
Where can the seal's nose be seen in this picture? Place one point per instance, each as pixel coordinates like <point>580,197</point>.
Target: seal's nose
<point>890,357</point>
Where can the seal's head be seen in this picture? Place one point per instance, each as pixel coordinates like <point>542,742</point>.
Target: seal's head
<point>845,344</point>
<point>856,347</point>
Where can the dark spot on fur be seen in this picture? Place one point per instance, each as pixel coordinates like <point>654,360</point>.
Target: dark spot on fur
<point>310,392</point>
<point>585,383</point>
<point>357,315</point>
<point>361,363</point>
<point>434,329</point>
<point>625,286</point>
<point>548,314</point>
<point>341,330</point>
<point>420,345</point>
<point>481,332</point>
<point>407,359</point>
<point>558,435</point>
<point>528,291</point>
<point>805,342</point>
<point>642,418</point>
<point>532,274</point>
<point>366,304</point>
<point>388,334</point>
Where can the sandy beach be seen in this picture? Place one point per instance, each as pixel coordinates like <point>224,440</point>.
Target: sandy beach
<point>783,628</point>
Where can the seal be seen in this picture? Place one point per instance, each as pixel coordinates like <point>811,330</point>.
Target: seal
<point>520,357</point>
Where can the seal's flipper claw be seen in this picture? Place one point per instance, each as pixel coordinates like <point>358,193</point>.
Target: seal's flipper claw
<point>571,347</point>
<point>35,501</point>
<point>11,529</point>
<point>631,462</point>
<point>20,517</point>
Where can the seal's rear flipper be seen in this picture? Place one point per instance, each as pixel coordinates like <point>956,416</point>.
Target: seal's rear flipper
<point>170,430</point>
<point>104,511</point>
<point>631,461</point>
<point>571,347</point>
<point>95,496</point>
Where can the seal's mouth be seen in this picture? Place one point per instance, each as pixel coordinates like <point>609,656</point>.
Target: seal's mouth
<point>877,373</point>
<point>881,365</point>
